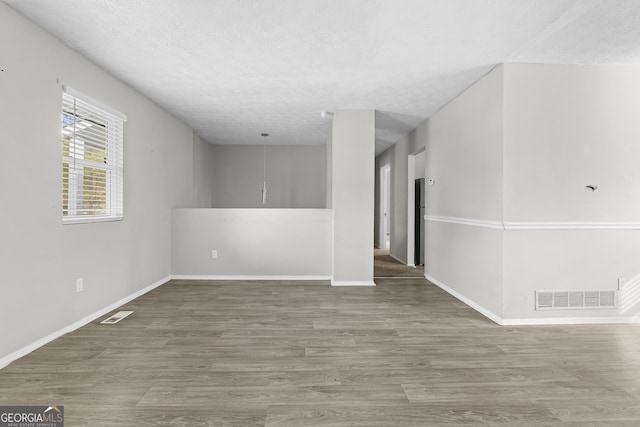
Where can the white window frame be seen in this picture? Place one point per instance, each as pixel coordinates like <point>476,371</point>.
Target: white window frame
<point>77,107</point>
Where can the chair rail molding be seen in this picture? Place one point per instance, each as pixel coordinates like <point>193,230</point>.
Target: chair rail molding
<point>535,226</point>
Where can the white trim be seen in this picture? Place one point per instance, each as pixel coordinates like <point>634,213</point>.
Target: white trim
<point>494,225</point>
<point>518,226</point>
<point>86,98</point>
<point>78,324</point>
<point>534,226</point>
<point>87,219</point>
<point>351,283</point>
<point>218,277</point>
<point>571,321</point>
<point>477,307</point>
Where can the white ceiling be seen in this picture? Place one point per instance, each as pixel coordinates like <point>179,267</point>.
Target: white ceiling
<point>235,68</point>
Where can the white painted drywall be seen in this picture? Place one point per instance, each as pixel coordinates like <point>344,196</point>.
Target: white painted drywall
<point>518,149</point>
<point>468,260</point>
<point>41,258</point>
<point>329,191</point>
<point>252,242</point>
<point>465,153</point>
<point>420,165</point>
<point>464,156</point>
<point>353,156</point>
<point>296,176</point>
<point>202,172</point>
<point>399,195</point>
<point>570,259</point>
<point>567,127</point>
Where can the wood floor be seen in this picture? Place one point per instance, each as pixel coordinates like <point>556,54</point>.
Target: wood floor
<point>386,266</point>
<point>304,354</point>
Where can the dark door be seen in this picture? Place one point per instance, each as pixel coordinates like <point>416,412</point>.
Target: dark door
<point>419,223</point>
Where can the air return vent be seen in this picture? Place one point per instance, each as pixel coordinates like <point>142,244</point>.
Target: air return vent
<point>574,299</point>
<point>111,320</point>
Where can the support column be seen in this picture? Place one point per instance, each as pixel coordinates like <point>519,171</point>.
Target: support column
<point>353,161</point>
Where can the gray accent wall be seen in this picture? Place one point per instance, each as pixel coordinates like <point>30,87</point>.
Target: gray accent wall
<point>296,176</point>
<point>202,172</point>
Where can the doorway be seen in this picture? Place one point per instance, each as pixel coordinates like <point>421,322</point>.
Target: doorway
<point>384,237</point>
<point>416,169</point>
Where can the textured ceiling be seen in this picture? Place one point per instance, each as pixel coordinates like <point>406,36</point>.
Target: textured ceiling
<point>235,68</point>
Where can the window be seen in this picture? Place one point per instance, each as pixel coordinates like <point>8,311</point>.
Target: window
<point>92,161</point>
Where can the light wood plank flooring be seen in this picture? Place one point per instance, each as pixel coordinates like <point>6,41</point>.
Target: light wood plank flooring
<point>304,354</point>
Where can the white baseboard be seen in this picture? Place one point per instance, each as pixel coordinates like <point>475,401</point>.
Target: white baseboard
<point>78,324</point>
<point>351,283</point>
<point>477,307</point>
<point>532,321</point>
<point>247,278</point>
<point>570,321</point>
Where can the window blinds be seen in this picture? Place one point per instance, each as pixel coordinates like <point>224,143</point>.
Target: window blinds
<point>92,160</point>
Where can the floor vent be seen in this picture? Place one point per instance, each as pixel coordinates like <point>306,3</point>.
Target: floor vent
<point>567,300</point>
<point>112,320</point>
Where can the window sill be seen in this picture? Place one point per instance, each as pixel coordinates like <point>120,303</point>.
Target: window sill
<point>86,220</point>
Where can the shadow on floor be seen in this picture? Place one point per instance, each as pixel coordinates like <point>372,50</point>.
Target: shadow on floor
<point>386,266</point>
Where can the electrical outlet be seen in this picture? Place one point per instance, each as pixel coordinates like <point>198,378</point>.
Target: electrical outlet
<point>214,254</point>
<point>80,285</point>
<point>621,283</point>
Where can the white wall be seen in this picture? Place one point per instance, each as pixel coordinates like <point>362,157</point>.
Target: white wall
<point>203,161</point>
<point>296,176</point>
<point>461,148</point>
<point>464,157</point>
<point>353,137</point>
<point>272,243</point>
<point>399,196</point>
<point>329,169</point>
<point>509,214</point>
<point>420,165</point>
<point>41,258</point>
<point>567,127</point>
<point>570,259</point>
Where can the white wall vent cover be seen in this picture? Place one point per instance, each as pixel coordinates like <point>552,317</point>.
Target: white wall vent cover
<point>575,299</point>
<point>111,320</point>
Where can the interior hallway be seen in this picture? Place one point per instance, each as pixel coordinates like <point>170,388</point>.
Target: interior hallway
<point>384,265</point>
